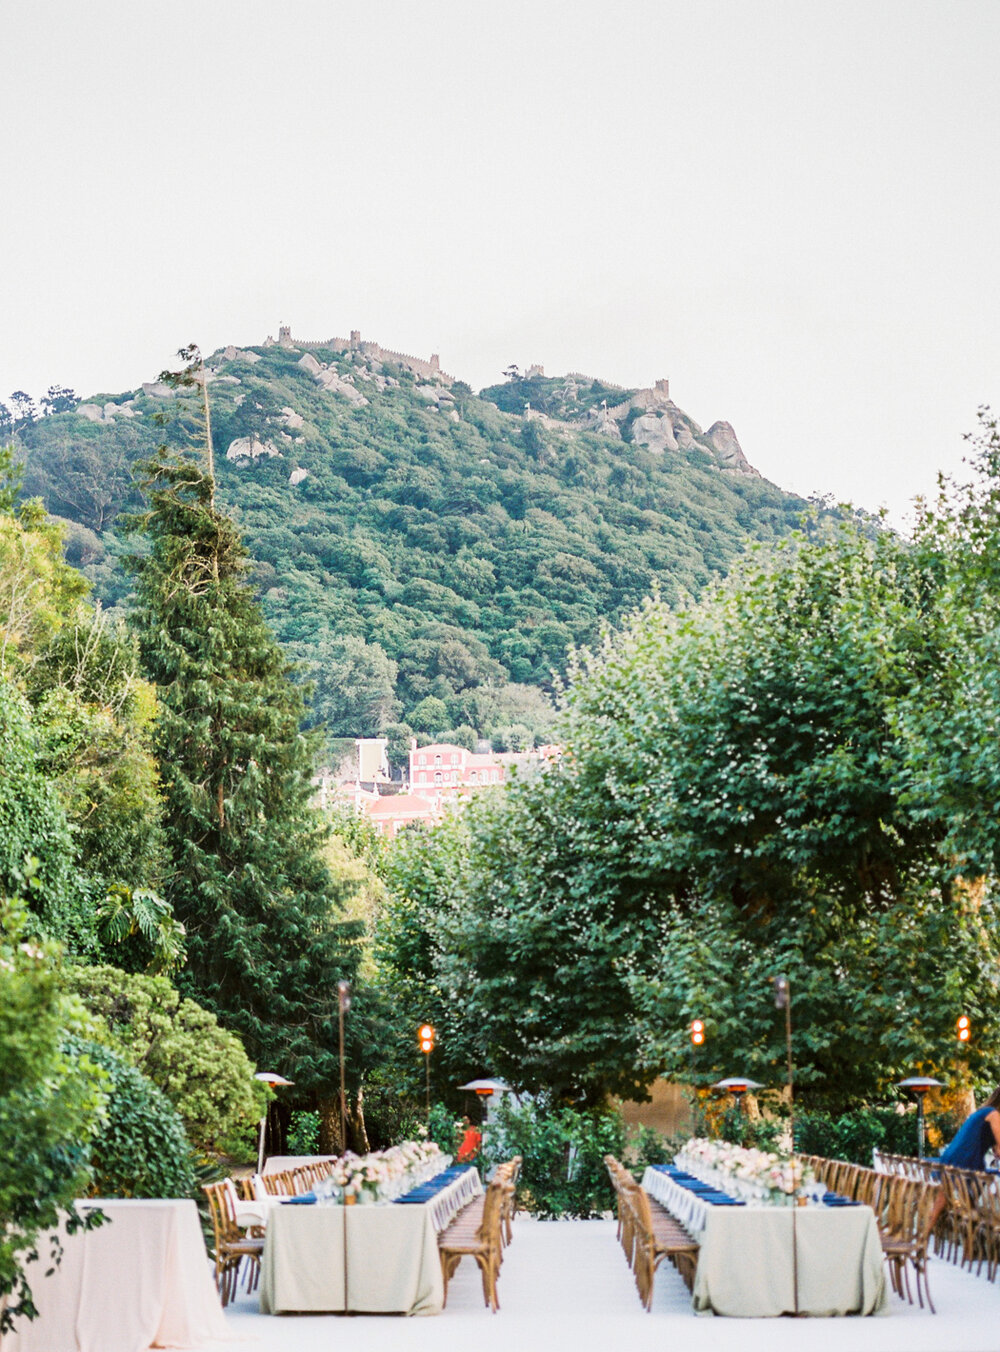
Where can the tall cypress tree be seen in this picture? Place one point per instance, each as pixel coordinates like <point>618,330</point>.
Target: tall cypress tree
<point>265,945</point>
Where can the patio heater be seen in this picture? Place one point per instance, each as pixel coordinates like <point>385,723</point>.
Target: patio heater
<point>737,1085</point>
<point>484,1091</point>
<point>273,1079</point>
<point>919,1085</point>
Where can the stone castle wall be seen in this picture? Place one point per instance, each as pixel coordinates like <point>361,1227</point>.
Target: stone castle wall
<point>420,366</point>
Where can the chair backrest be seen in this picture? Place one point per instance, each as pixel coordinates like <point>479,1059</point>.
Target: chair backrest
<point>489,1227</point>
<point>222,1210</point>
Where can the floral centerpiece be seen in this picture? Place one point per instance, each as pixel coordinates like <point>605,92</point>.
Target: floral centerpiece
<point>780,1175</point>
<point>384,1174</point>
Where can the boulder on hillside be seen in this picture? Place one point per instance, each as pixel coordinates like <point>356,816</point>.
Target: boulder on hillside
<point>92,412</point>
<point>246,448</point>
<point>157,389</point>
<point>331,381</point>
<point>292,419</point>
<point>722,439</point>
<point>297,475</point>
<point>654,432</point>
<point>310,364</point>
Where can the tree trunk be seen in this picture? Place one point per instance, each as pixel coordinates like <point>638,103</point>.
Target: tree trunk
<point>329,1126</point>
<point>359,1132</point>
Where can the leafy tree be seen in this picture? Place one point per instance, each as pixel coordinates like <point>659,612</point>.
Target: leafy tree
<point>398,737</point>
<point>39,591</point>
<point>430,715</point>
<point>58,399</point>
<point>246,877</point>
<point>35,838</point>
<point>353,687</point>
<point>50,1106</point>
<point>145,922</point>
<point>25,412</point>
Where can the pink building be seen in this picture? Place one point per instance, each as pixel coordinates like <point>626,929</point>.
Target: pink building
<point>390,814</point>
<point>447,769</point>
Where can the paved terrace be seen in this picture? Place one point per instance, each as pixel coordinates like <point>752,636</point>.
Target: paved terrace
<point>566,1285</point>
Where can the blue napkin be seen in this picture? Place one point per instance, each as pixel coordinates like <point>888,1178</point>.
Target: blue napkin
<point>306,1199</point>
<point>425,1191</point>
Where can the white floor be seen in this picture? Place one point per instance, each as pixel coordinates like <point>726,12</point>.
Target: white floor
<point>566,1285</point>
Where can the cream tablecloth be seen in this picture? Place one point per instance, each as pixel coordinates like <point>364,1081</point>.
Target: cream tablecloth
<point>392,1256</point>
<point>141,1280</point>
<point>746,1268</point>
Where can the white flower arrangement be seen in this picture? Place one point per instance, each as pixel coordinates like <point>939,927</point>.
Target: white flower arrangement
<point>382,1174</point>
<point>776,1171</point>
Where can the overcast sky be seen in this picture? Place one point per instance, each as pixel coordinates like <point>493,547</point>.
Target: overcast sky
<point>789,209</point>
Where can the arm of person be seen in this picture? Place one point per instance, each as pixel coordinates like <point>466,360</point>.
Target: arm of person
<point>993,1119</point>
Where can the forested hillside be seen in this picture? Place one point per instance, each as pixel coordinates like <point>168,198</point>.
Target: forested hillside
<point>426,555</point>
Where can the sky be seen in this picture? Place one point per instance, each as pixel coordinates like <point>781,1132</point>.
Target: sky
<point>788,209</point>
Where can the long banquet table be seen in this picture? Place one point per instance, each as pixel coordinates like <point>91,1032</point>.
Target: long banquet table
<point>140,1280</point>
<point>392,1264</point>
<point>760,1261</point>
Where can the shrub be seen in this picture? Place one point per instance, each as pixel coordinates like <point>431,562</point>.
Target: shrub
<point>302,1137</point>
<point>562,1149</point>
<point>142,1150</point>
<point>853,1136</point>
<point>49,1107</point>
<point>202,1068</point>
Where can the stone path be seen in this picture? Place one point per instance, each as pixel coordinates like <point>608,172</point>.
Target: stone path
<point>565,1287</point>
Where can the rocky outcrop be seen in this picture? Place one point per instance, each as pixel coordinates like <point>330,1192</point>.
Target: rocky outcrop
<point>310,364</point>
<point>157,389</point>
<point>655,432</point>
<point>96,414</point>
<point>292,419</point>
<point>297,475</point>
<point>722,439</point>
<point>336,384</point>
<point>246,448</point>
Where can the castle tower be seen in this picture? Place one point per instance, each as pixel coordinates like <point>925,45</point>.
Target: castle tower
<point>284,335</point>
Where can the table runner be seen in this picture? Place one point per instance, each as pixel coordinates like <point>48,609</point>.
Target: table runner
<point>392,1255</point>
<point>745,1264</point>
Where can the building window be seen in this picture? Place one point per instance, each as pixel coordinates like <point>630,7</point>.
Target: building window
<point>421,760</point>
<point>437,759</point>
<point>454,760</point>
<point>473,776</point>
<point>438,777</point>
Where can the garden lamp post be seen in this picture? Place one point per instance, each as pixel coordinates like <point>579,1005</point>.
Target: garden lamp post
<point>343,1005</point>
<point>425,1037</point>
<point>919,1085</point>
<point>273,1079</point>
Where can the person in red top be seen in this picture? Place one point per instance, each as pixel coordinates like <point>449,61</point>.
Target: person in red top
<point>471,1141</point>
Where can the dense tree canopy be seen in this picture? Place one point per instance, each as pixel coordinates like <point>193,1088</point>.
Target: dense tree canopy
<point>796,774</point>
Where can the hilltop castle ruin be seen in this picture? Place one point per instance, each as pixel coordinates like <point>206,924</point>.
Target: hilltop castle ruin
<point>430,369</point>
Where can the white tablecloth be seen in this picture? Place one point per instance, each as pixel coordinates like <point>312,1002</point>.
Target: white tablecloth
<point>758,1261</point>
<point>392,1255</point>
<point>141,1280</point>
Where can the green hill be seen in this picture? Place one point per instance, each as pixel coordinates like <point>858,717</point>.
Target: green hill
<point>426,553</point>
